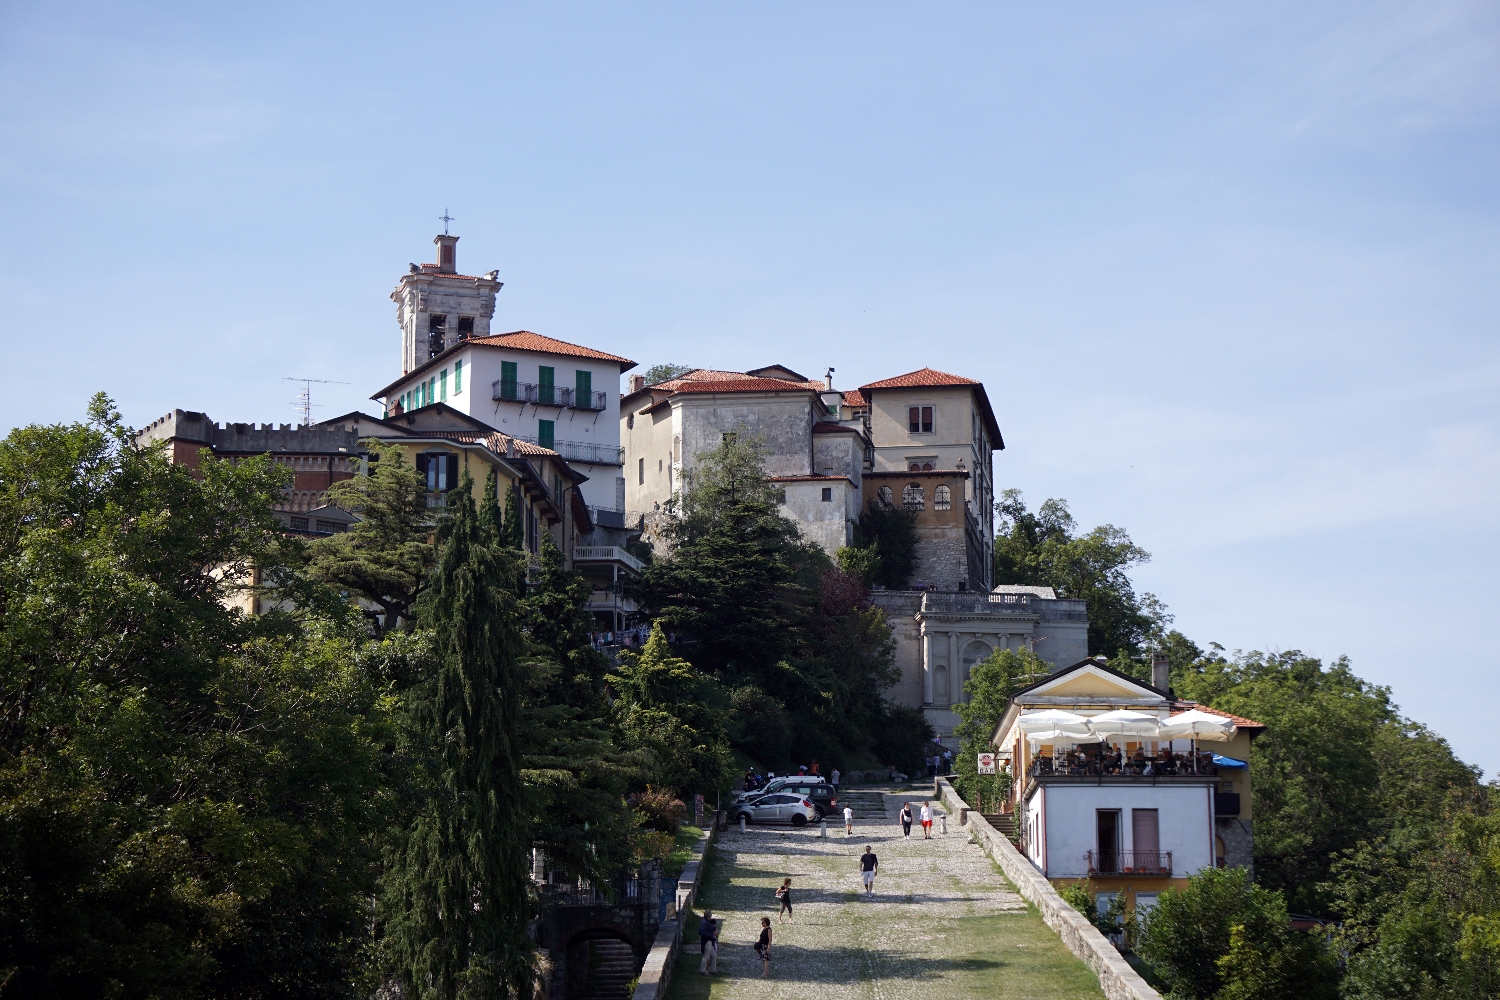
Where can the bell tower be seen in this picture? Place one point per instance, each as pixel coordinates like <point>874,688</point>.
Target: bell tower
<point>437,307</point>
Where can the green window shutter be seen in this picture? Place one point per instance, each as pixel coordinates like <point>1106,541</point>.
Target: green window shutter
<point>443,384</point>
<point>584,383</point>
<point>544,433</point>
<point>432,390</point>
<point>458,377</point>
<point>544,384</point>
<point>507,380</point>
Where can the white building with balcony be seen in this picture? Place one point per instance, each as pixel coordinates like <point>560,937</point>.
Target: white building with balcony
<point>549,392</point>
<point>1134,815</point>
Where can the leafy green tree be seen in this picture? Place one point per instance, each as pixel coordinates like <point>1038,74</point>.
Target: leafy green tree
<point>1044,548</point>
<point>992,681</point>
<point>673,711</point>
<point>665,372</point>
<point>1224,937</point>
<point>889,535</point>
<point>740,580</point>
<point>384,558</point>
<point>457,879</point>
<point>860,562</point>
<point>189,796</point>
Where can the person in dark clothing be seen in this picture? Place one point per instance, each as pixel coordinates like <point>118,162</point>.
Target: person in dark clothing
<point>785,895</point>
<point>708,944</point>
<point>868,863</point>
<point>906,818</point>
<point>763,947</point>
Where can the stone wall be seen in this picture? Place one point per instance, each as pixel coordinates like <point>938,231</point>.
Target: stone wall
<point>656,973</point>
<point>1118,980</point>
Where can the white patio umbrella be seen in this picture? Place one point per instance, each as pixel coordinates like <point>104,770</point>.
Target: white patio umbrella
<point>1198,725</point>
<point>1123,722</point>
<point>1044,720</point>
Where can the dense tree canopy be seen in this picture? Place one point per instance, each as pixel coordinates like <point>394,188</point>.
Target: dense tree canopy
<point>1044,548</point>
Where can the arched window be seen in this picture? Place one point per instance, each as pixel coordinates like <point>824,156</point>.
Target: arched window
<point>942,498</point>
<point>912,497</point>
<point>886,497</point>
<point>973,653</point>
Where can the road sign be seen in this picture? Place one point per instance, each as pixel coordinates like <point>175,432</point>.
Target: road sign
<point>986,763</point>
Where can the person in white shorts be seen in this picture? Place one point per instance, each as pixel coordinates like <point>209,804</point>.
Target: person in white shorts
<point>868,862</point>
<point>848,822</point>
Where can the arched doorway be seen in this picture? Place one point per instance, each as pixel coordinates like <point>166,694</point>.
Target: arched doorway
<point>601,966</point>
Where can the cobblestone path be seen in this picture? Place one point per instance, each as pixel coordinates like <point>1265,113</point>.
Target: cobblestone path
<point>941,923</point>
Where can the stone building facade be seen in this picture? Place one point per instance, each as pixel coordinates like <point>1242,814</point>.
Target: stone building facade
<point>437,307</point>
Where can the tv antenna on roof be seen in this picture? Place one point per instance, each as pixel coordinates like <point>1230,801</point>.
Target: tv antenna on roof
<point>304,398</point>
<point>445,218</point>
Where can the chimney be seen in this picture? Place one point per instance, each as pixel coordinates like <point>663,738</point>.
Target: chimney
<point>447,261</point>
<point>637,383</point>
<point>828,380</point>
<point>1160,677</point>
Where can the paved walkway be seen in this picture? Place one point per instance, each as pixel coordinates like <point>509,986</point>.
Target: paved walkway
<point>942,922</point>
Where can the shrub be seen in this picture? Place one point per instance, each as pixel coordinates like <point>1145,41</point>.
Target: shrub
<point>660,810</point>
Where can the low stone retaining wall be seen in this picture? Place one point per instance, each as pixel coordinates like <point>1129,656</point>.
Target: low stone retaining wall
<point>1118,979</point>
<point>656,973</point>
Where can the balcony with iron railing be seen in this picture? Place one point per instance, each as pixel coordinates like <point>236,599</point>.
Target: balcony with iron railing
<point>548,395</point>
<point>583,451</point>
<point>1129,862</point>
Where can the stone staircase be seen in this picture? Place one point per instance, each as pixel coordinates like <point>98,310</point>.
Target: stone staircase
<point>866,804</point>
<point>610,969</point>
<point>1005,823</point>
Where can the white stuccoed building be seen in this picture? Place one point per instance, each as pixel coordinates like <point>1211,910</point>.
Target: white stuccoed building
<point>546,391</point>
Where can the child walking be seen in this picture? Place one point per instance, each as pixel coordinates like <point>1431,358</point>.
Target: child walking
<point>848,822</point>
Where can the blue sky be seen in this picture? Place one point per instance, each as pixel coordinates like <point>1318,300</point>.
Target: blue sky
<point>1229,273</point>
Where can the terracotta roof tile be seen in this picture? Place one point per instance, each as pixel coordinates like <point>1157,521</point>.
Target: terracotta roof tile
<point>1179,707</point>
<point>525,340</point>
<point>920,377</point>
<point>855,398</point>
<point>807,479</point>
<point>829,427</point>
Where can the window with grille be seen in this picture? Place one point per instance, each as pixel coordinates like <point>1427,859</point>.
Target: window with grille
<point>887,498</point>
<point>919,419</point>
<point>942,498</point>
<point>912,497</point>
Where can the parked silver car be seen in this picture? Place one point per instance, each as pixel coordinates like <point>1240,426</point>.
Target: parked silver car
<point>777,807</point>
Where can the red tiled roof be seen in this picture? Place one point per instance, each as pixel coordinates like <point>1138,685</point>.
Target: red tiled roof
<point>806,479</point>
<point>829,427</point>
<point>920,377</point>
<point>494,441</point>
<point>525,340</point>
<point>855,398</point>
<point>741,384</point>
<point>442,274</point>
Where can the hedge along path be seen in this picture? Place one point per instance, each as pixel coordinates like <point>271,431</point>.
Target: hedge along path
<point>943,921</point>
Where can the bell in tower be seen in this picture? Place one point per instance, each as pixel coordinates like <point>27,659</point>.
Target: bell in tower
<point>436,307</point>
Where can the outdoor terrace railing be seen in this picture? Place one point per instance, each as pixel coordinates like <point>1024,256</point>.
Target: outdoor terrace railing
<point>575,400</point>
<point>1182,766</point>
<point>607,553</point>
<point>1129,862</point>
<point>976,603</point>
<point>583,451</point>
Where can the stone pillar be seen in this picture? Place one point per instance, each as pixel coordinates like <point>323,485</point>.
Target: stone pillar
<point>926,667</point>
<point>955,681</point>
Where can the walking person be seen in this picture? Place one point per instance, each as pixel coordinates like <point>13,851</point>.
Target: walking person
<point>763,947</point>
<point>785,895</point>
<point>708,944</point>
<point>848,822</point>
<point>906,819</point>
<point>947,761</point>
<point>868,863</point>
<point>833,779</point>
<point>926,821</point>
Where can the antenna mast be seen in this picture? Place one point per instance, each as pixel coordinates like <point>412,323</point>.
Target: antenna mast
<point>304,398</point>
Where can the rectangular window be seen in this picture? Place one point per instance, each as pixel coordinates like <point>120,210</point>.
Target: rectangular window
<point>544,433</point>
<point>926,420</point>
<point>1108,825</point>
<point>919,419</point>
<point>583,383</point>
<point>443,384</point>
<point>827,494</point>
<point>544,383</point>
<point>640,472</point>
<point>432,390</point>
<point>299,524</point>
<point>508,380</point>
<point>465,328</point>
<point>458,377</point>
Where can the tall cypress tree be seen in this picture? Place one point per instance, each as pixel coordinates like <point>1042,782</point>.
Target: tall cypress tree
<point>457,884</point>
